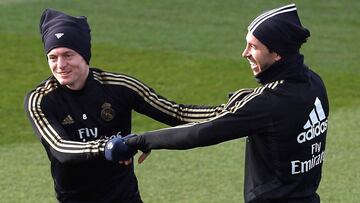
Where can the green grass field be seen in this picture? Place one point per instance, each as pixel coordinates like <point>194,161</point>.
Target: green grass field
<point>195,45</point>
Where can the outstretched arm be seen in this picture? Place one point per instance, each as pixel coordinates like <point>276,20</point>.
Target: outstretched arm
<point>241,118</point>
<point>146,101</point>
<point>179,138</point>
<point>193,135</point>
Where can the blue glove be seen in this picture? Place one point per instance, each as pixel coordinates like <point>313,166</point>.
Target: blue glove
<point>117,150</point>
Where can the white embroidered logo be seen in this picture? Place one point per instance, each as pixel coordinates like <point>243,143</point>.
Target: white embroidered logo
<point>316,125</point>
<point>110,145</point>
<point>68,120</point>
<point>59,35</point>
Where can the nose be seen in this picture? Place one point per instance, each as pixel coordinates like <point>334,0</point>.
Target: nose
<point>61,63</point>
<point>245,53</point>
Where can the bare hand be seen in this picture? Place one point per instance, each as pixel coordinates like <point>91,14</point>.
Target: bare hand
<point>143,156</point>
<point>141,159</point>
<point>126,162</point>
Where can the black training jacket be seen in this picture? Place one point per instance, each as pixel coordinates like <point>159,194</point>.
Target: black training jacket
<point>74,126</point>
<point>285,122</point>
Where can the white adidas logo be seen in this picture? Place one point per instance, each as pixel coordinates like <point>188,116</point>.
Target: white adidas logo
<point>59,35</point>
<point>316,125</point>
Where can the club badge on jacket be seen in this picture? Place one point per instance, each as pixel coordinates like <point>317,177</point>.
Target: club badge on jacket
<point>107,113</point>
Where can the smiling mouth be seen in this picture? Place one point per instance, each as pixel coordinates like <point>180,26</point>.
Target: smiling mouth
<point>252,64</point>
<point>64,73</point>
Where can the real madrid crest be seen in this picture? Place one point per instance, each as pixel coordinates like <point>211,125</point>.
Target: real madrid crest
<point>107,113</point>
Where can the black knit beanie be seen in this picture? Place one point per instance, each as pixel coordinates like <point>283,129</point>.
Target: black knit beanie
<point>280,30</point>
<point>61,30</point>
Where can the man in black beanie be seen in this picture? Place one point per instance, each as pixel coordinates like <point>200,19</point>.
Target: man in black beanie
<point>78,109</point>
<point>60,30</point>
<point>284,120</point>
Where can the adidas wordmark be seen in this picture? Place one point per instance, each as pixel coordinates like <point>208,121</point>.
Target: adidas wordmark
<point>316,125</point>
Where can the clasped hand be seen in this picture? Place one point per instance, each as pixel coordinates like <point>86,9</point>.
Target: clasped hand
<point>117,150</point>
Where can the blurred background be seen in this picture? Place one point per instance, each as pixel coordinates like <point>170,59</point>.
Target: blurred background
<point>190,52</point>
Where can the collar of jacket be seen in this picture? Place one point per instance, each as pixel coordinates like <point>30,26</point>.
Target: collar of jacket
<point>290,68</point>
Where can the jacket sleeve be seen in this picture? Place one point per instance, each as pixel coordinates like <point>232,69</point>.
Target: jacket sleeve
<point>52,135</point>
<point>146,101</point>
<point>240,120</point>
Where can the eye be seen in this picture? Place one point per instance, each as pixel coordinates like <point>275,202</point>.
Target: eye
<point>69,55</point>
<point>52,58</point>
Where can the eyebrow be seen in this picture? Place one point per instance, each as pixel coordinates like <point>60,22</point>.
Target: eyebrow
<point>69,52</point>
<point>252,44</point>
<point>62,53</point>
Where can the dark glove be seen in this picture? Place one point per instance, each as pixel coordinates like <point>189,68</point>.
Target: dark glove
<point>137,142</point>
<point>117,150</point>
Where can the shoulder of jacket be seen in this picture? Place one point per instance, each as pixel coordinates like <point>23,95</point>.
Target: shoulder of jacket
<point>39,94</point>
<point>273,85</point>
<point>46,86</point>
<point>117,79</point>
<point>261,93</point>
